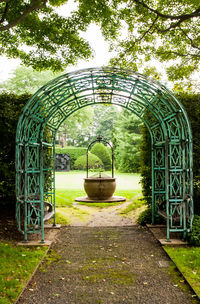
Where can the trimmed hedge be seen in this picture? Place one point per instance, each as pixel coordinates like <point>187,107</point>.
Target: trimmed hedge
<point>11,107</point>
<point>74,153</point>
<point>194,236</point>
<point>94,162</point>
<point>101,151</point>
<point>191,104</point>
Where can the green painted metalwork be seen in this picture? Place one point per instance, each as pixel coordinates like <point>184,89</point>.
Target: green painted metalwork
<point>162,113</point>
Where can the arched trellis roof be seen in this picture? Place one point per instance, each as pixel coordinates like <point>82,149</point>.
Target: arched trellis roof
<point>59,98</point>
<point>157,107</point>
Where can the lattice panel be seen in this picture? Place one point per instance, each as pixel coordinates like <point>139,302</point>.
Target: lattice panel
<point>160,201</point>
<point>159,180</point>
<point>173,129</point>
<point>177,215</point>
<point>32,157</point>
<point>176,185</point>
<point>175,156</point>
<point>33,131</point>
<point>33,216</point>
<point>33,185</point>
<point>158,134</point>
<point>159,157</point>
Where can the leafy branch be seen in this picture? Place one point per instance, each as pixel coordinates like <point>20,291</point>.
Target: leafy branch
<point>34,5</point>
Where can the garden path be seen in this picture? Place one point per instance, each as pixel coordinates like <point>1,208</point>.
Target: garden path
<point>107,265</point>
<point>109,216</point>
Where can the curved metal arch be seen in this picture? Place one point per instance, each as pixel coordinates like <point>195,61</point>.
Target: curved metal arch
<point>156,106</point>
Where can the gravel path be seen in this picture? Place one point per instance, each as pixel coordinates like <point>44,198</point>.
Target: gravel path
<point>105,217</point>
<point>107,265</point>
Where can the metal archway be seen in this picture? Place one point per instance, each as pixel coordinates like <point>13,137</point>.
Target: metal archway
<point>162,113</point>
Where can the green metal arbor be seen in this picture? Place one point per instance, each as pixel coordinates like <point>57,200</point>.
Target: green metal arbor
<point>162,113</point>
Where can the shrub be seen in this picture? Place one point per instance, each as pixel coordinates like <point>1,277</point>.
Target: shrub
<point>145,217</point>
<point>93,162</point>
<point>191,104</point>
<point>101,151</point>
<point>74,153</point>
<point>10,109</point>
<point>194,235</point>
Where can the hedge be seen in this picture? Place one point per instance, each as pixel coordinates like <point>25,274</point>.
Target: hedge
<point>191,104</point>
<point>74,153</point>
<point>94,162</point>
<point>101,151</point>
<point>11,107</point>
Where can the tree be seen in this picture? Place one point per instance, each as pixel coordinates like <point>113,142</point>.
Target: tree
<point>162,30</point>
<point>139,30</point>
<point>83,126</point>
<point>27,80</point>
<point>35,32</point>
<point>127,138</point>
<point>75,128</point>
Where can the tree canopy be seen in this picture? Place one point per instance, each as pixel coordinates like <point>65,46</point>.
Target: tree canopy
<point>27,80</point>
<point>139,30</point>
<point>163,30</point>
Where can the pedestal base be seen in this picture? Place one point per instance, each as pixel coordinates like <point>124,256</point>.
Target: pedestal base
<point>109,200</point>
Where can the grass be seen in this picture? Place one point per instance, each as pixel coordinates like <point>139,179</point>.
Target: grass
<point>139,202</point>
<point>65,215</point>
<point>17,264</point>
<point>73,180</point>
<point>188,261</point>
<point>69,185</point>
<point>65,198</point>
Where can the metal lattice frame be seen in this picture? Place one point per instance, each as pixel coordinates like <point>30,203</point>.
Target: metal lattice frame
<point>162,113</point>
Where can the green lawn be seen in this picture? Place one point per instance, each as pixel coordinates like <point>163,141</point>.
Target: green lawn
<point>73,180</point>
<point>69,185</point>
<point>188,261</point>
<point>17,264</point>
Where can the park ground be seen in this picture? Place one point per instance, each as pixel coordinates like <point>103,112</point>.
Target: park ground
<point>93,243</point>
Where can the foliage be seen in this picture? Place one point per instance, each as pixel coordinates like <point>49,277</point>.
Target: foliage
<point>17,264</point>
<point>44,35</point>
<point>188,261</point>
<point>10,109</point>
<point>27,80</point>
<point>145,217</point>
<point>194,235</point>
<point>51,40</point>
<point>145,165</point>
<point>192,106</point>
<point>74,153</point>
<point>76,129</point>
<point>100,151</point>
<point>82,127</point>
<point>94,162</point>
<point>126,139</point>
<point>105,117</point>
<point>159,30</point>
